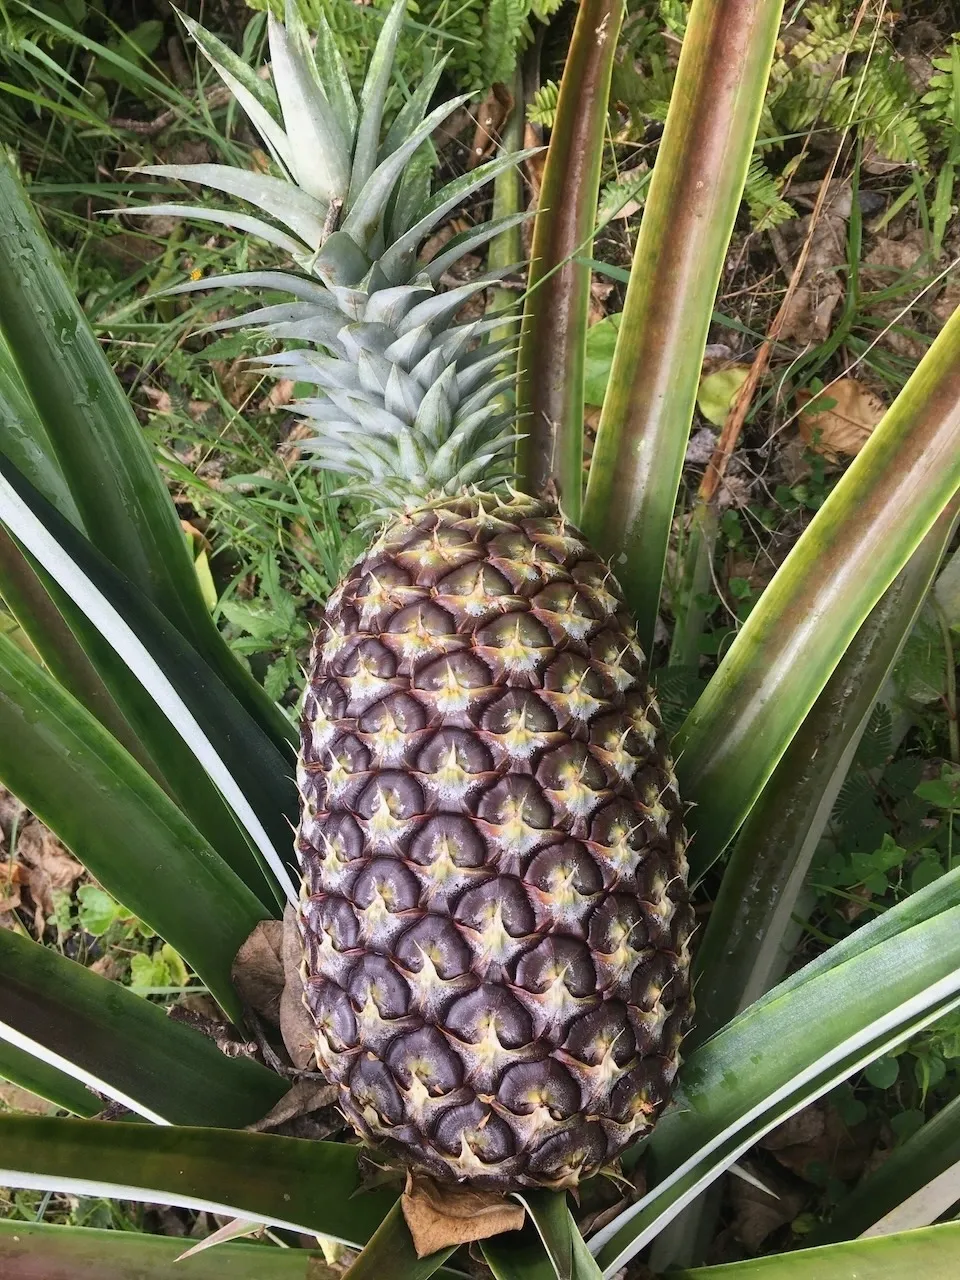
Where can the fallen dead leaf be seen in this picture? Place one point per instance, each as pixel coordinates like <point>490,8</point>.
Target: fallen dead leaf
<point>841,430</point>
<point>440,1216</point>
<point>48,867</point>
<point>757,1214</point>
<point>11,879</point>
<point>817,1136</point>
<point>492,115</point>
<point>302,1099</point>
<point>13,1098</point>
<point>296,1025</point>
<point>257,970</point>
<point>809,314</point>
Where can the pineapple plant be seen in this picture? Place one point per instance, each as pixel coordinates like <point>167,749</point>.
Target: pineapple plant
<point>494,908</point>
<point>488,886</point>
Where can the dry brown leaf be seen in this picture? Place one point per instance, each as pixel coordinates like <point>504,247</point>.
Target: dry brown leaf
<point>440,1216</point>
<point>305,1097</point>
<point>817,1136</point>
<point>492,114</point>
<point>810,311</point>
<point>257,970</point>
<point>13,1098</point>
<point>296,1025</point>
<point>843,429</point>
<point>757,1214</point>
<point>47,866</point>
<point>280,393</point>
<point>11,878</point>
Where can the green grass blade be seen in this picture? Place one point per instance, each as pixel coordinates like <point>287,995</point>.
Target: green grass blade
<point>285,1182</point>
<point>128,833</point>
<point>553,334</point>
<point>252,775</point>
<point>390,1255</point>
<point>99,446</point>
<point>741,949</point>
<point>860,539</point>
<point>933,1253</point>
<point>925,1155</point>
<point>56,1086</point>
<point>98,1033</point>
<point>688,218</point>
<point>32,1249</point>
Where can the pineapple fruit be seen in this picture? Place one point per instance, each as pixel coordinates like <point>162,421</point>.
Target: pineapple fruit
<point>494,909</point>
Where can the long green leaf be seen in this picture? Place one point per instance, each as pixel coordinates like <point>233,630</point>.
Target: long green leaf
<point>737,960</point>
<point>31,1250</point>
<point>780,1053</point>
<point>390,1255</point>
<point>688,218</point>
<point>128,833</point>
<point>284,1182</point>
<point>56,1086</point>
<point>852,550</point>
<point>553,335</point>
<point>237,755</point>
<point>100,447</point>
<point>74,1022</point>
<point>933,1254</point>
<point>925,1155</point>
<point>75,652</point>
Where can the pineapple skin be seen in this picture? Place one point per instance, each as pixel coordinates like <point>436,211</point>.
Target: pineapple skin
<point>494,908</point>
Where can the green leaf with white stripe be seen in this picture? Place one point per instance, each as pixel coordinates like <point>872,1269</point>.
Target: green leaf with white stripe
<point>126,831</point>
<point>81,1032</point>
<point>314,1187</point>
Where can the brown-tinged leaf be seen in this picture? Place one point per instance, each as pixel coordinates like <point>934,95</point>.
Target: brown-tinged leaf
<point>302,1099</point>
<point>843,429</point>
<point>257,970</point>
<point>442,1215</point>
<point>12,813</point>
<point>296,1025</point>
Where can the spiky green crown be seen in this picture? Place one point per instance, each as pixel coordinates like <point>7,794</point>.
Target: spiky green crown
<point>406,403</point>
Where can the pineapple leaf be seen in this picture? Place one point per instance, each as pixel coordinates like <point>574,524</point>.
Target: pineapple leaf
<point>336,80</point>
<point>286,1182</point>
<point>301,213</point>
<point>247,768</point>
<point>368,205</point>
<point>320,160</point>
<point>800,1046</point>
<point>373,99</point>
<point>299,286</point>
<point>470,241</point>
<point>100,1034</point>
<point>253,95</point>
<point>447,198</point>
<point>29,1072</point>
<point>224,217</point>
<point>390,1254</point>
<point>413,110</point>
<point>86,1253</point>
<point>127,832</point>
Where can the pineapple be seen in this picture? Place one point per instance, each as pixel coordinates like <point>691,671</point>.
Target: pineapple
<point>494,909</point>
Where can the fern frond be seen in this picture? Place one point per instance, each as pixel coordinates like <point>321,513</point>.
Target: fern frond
<point>543,109</point>
<point>762,195</point>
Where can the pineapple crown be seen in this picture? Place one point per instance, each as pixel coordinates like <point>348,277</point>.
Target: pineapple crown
<point>407,403</point>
